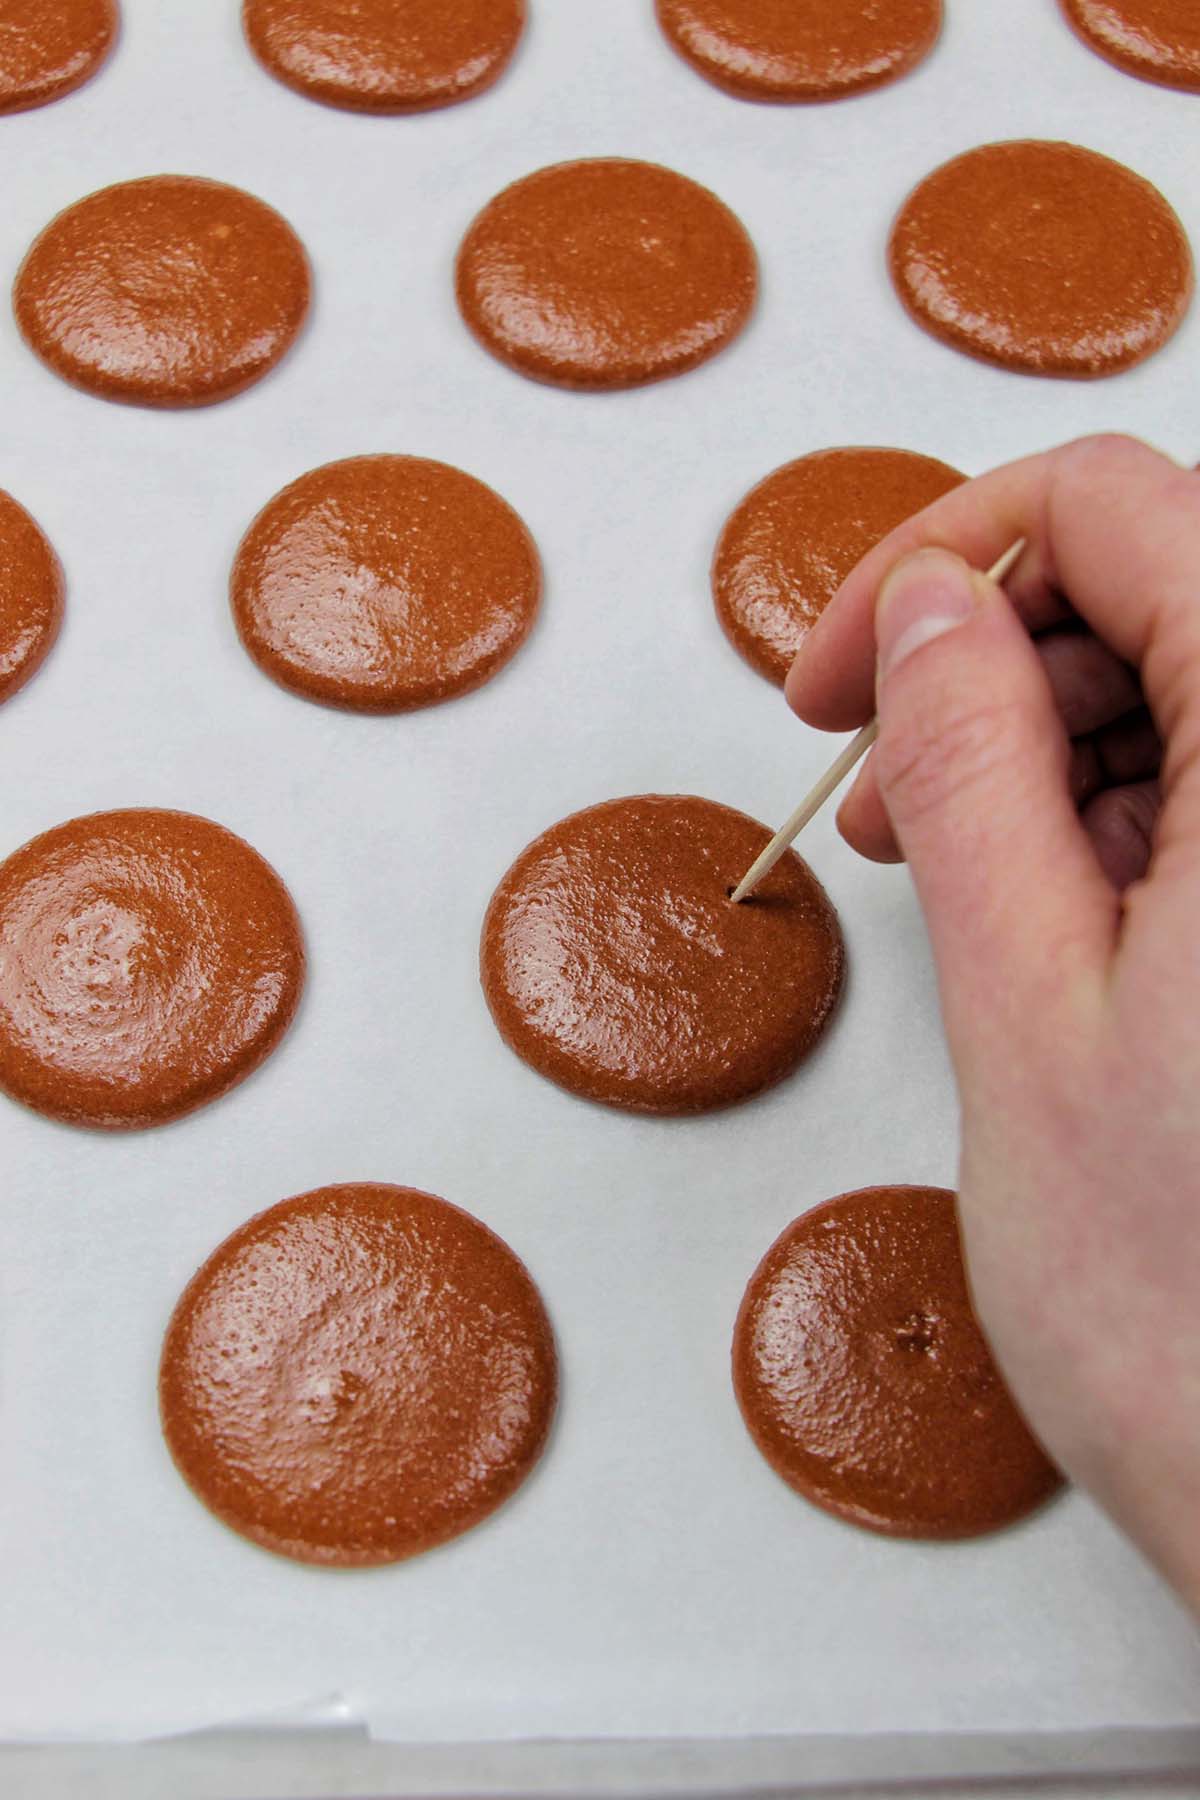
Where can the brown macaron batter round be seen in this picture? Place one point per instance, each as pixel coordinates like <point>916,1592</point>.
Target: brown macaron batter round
<point>605,273</point>
<point>787,547</point>
<point>31,596</point>
<point>168,291</point>
<point>615,963</point>
<point>1158,40</point>
<point>1042,257</point>
<point>358,1374</point>
<point>788,50</point>
<point>864,1379</point>
<point>384,56</point>
<point>49,48</point>
<point>384,583</point>
<point>149,961</point>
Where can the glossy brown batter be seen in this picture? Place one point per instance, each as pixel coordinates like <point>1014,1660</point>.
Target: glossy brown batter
<point>148,962</point>
<point>865,1381</point>
<point>787,548</point>
<point>614,961</point>
<point>605,274</point>
<point>384,583</point>
<point>358,1374</point>
<point>1156,39</point>
<point>800,49</point>
<point>1042,257</point>
<point>171,291</point>
<point>50,47</point>
<point>384,56</point>
<point>31,596</point>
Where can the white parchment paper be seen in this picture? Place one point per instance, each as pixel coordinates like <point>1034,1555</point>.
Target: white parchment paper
<point>654,1577</point>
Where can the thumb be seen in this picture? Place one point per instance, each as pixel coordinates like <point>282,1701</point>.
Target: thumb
<point>972,766</point>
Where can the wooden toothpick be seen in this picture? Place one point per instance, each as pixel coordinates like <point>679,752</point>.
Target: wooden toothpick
<point>837,771</point>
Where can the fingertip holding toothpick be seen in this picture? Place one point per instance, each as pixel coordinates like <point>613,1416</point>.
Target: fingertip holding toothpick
<point>838,770</point>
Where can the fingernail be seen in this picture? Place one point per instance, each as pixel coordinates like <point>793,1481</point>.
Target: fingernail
<point>924,596</point>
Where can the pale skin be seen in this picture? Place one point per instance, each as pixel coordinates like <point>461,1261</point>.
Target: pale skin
<point>1038,767</point>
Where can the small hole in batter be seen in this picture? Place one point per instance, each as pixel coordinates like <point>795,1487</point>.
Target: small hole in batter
<point>918,1333</point>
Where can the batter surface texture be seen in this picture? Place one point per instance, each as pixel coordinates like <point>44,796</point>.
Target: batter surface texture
<point>615,963</point>
<point>384,583</point>
<point>358,1374</point>
<point>1042,257</point>
<point>169,291</point>
<point>31,596</point>
<point>865,1381</point>
<point>1156,39</point>
<point>148,962</point>
<point>800,49</point>
<point>384,56</point>
<point>48,48</point>
<point>605,274</point>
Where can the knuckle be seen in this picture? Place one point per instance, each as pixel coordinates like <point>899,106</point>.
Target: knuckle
<point>1104,451</point>
<point>928,765</point>
<point>1103,464</point>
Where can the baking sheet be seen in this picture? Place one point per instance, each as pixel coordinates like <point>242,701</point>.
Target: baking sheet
<point>654,1577</point>
<point>328,1763</point>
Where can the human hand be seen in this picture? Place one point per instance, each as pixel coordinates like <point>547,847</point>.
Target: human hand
<point>1038,766</point>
